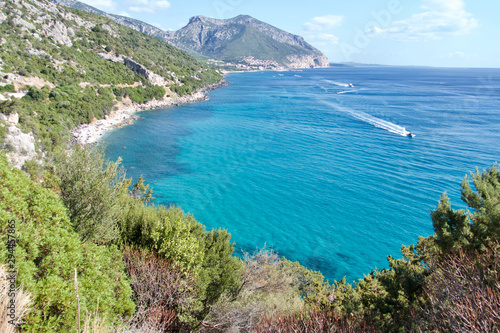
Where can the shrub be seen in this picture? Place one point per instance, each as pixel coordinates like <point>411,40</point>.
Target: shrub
<point>266,290</point>
<point>161,291</point>
<point>48,251</point>
<point>181,240</point>
<point>7,88</point>
<point>91,188</point>
<point>315,321</point>
<point>463,294</point>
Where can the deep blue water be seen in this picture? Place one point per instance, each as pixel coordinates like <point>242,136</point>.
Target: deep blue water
<point>316,169</point>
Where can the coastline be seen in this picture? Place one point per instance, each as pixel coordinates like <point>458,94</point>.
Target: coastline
<point>92,132</point>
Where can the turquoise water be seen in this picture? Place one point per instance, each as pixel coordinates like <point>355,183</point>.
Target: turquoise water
<point>315,168</point>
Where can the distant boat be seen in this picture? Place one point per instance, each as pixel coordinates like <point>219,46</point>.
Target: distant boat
<point>410,134</point>
<point>351,85</point>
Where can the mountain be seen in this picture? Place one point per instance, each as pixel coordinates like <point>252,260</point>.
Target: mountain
<point>64,67</point>
<point>123,20</point>
<point>244,38</point>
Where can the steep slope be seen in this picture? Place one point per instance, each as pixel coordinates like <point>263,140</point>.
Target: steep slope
<point>126,21</point>
<point>242,37</point>
<point>64,67</point>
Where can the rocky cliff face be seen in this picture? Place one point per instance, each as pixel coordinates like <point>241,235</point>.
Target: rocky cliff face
<point>20,146</point>
<point>244,36</point>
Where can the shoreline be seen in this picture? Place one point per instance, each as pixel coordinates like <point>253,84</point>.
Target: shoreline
<point>91,133</point>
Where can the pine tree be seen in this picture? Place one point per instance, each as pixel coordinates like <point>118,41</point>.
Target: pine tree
<point>461,229</point>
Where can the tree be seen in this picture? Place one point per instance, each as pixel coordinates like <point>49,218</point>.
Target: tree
<point>142,191</point>
<point>460,229</point>
<point>91,188</point>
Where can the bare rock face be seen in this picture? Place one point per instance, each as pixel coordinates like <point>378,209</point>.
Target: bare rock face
<point>59,32</point>
<point>153,78</point>
<point>13,118</point>
<point>308,61</point>
<point>21,146</point>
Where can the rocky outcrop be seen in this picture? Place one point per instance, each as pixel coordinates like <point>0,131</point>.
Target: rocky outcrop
<point>307,61</point>
<point>50,27</point>
<point>20,146</point>
<point>136,67</point>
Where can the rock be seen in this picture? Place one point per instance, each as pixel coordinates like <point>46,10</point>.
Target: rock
<point>21,146</point>
<point>25,24</point>
<point>13,118</point>
<point>58,31</point>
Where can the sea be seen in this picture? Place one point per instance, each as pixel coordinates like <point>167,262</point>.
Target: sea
<point>317,164</point>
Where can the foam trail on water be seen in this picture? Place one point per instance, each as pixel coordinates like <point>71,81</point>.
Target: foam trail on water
<point>367,118</point>
<point>340,84</point>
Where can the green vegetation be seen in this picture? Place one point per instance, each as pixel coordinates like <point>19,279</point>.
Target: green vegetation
<point>101,221</point>
<point>104,210</point>
<point>144,267</point>
<point>50,112</point>
<point>48,251</point>
<point>252,42</point>
<point>448,282</point>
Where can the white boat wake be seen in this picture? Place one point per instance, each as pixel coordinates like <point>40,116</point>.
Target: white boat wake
<point>339,84</point>
<point>369,119</point>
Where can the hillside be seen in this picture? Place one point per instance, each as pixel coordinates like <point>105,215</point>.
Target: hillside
<point>245,39</point>
<point>65,67</point>
<point>123,20</point>
<point>246,42</point>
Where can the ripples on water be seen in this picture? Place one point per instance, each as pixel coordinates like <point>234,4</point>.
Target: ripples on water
<point>320,170</point>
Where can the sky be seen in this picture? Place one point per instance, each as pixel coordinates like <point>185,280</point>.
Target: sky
<point>440,33</point>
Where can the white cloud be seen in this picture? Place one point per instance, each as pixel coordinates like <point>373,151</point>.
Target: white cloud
<point>106,5</point>
<point>123,13</point>
<point>321,40</point>
<point>148,6</point>
<point>322,23</point>
<point>441,18</point>
<point>327,38</point>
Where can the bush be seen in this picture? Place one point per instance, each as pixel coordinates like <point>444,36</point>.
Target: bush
<point>267,289</point>
<point>48,251</point>
<point>181,240</point>
<point>463,294</point>
<point>315,321</point>
<point>161,291</point>
<point>7,88</point>
<point>91,188</point>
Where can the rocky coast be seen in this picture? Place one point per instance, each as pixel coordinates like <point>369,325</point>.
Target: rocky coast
<point>125,115</point>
